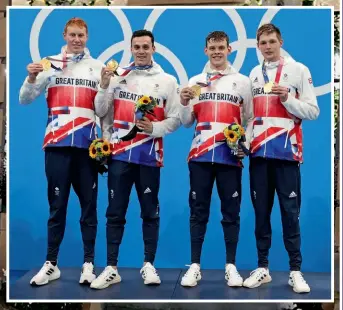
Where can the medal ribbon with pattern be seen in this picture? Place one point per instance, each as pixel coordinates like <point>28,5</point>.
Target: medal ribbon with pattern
<point>133,67</point>
<point>268,85</point>
<point>46,62</point>
<point>197,88</point>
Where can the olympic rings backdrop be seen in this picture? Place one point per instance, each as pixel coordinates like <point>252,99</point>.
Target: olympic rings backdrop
<point>180,38</point>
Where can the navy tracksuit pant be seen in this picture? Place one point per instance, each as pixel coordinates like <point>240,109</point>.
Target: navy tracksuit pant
<point>229,184</point>
<point>121,177</point>
<point>66,166</point>
<point>282,176</point>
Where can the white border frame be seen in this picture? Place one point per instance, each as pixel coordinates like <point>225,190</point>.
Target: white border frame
<point>180,300</point>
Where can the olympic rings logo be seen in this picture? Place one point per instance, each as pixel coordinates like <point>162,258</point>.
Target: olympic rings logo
<point>241,45</point>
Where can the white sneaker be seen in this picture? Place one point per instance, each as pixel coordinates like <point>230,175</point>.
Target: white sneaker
<point>108,277</point>
<point>232,276</point>
<point>48,273</point>
<point>149,274</point>
<point>87,274</point>
<point>297,281</point>
<point>192,276</point>
<point>257,277</point>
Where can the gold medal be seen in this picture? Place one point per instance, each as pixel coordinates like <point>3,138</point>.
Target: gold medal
<point>112,65</point>
<point>197,90</point>
<point>46,64</point>
<point>268,87</point>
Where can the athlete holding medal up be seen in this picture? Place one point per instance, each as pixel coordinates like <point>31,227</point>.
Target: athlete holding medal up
<point>139,158</point>
<point>283,96</point>
<point>214,99</point>
<point>70,81</point>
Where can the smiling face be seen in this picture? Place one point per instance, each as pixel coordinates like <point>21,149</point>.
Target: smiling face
<point>142,50</point>
<point>217,52</point>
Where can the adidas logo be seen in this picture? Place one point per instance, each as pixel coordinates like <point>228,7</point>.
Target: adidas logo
<point>147,191</point>
<point>122,82</point>
<point>292,195</point>
<point>235,194</point>
<point>256,80</point>
<point>50,271</point>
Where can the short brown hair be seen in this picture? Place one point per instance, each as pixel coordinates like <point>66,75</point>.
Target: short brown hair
<point>75,21</point>
<point>268,29</point>
<point>217,36</point>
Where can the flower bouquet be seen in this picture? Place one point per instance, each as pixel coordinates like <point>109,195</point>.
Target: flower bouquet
<point>144,105</point>
<point>235,137</point>
<point>99,150</point>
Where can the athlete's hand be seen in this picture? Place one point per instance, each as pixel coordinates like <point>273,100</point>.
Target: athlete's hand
<point>240,153</point>
<point>186,94</point>
<point>281,91</point>
<point>145,125</point>
<point>106,75</point>
<point>33,69</point>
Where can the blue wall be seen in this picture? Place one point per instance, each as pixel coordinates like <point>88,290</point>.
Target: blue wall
<point>182,32</point>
